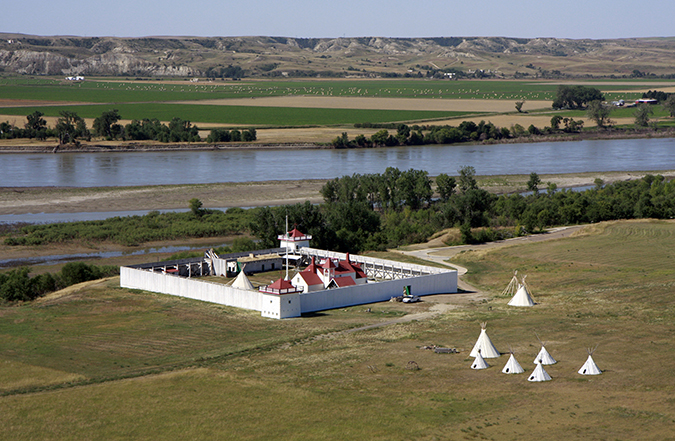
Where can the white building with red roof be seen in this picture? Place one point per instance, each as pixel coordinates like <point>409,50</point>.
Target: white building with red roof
<point>294,239</point>
<point>308,280</point>
<point>281,299</point>
<point>330,273</point>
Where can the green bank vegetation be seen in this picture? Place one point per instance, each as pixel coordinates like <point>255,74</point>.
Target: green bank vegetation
<point>17,285</point>
<point>107,362</point>
<point>380,211</point>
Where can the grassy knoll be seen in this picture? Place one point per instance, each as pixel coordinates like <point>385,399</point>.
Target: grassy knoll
<point>229,374</point>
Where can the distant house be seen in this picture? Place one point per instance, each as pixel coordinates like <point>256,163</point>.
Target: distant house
<point>646,101</point>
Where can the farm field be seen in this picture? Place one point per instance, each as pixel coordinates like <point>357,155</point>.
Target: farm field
<point>282,105</point>
<point>99,361</point>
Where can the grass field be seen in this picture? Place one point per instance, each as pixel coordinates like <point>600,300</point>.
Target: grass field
<point>105,90</point>
<point>109,363</point>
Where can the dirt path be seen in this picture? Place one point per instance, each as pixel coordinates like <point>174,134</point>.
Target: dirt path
<point>442,254</point>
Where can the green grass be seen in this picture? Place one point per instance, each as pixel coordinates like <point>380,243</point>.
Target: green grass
<point>224,373</point>
<point>259,116</point>
<point>105,91</point>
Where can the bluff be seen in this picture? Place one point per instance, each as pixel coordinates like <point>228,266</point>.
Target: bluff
<point>337,57</point>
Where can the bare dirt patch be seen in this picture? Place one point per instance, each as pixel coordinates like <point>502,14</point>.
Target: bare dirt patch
<point>73,200</point>
<point>460,105</point>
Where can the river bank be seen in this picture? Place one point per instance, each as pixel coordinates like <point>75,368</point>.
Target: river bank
<point>35,146</point>
<point>22,200</point>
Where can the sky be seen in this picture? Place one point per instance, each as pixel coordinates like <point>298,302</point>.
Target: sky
<point>577,19</point>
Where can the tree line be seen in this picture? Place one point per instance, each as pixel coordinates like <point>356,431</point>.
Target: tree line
<point>380,211</point>
<point>70,128</point>
<point>18,285</point>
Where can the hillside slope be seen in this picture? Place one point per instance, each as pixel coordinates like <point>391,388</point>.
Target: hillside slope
<point>302,57</point>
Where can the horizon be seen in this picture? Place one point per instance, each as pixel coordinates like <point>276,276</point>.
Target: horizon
<point>575,19</point>
<point>427,37</point>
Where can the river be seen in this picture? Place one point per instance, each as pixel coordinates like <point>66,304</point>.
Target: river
<point>194,167</point>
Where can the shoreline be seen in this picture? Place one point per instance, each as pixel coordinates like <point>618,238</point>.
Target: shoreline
<point>65,200</point>
<point>135,146</point>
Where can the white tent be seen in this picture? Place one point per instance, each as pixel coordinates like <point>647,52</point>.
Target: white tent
<point>521,297</point>
<point>485,345</point>
<point>590,368</point>
<point>539,374</point>
<point>479,362</point>
<point>242,282</point>
<point>512,366</point>
<point>543,356</point>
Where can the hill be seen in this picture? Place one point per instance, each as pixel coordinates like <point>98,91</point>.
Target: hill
<point>236,57</point>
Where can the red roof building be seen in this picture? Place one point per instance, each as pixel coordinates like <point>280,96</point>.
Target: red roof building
<point>294,239</point>
<point>280,287</point>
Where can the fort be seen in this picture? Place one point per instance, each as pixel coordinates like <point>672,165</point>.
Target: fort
<point>329,280</point>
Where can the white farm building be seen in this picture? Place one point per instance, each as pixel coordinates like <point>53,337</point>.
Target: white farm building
<point>331,280</point>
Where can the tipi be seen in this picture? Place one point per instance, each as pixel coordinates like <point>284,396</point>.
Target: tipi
<point>242,282</point>
<point>513,285</point>
<point>479,362</point>
<point>590,368</point>
<point>543,356</point>
<point>539,374</point>
<point>522,296</point>
<point>484,344</point>
<point>512,366</point>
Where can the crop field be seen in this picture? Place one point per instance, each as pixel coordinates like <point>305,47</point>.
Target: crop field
<point>110,363</point>
<point>103,91</point>
<point>292,103</point>
<point>240,115</point>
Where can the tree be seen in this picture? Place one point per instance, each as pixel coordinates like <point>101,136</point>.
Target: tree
<point>249,135</point>
<point>183,131</point>
<point>380,138</point>
<point>467,180</point>
<point>106,125</point>
<point>642,114</point>
<point>575,97</point>
<point>218,135</point>
<point>533,183</point>
<point>599,113</point>
<point>555,122</point>
<point>196,207</point>
<point>36,126</point>
<point>445,186</point>
<point>519,106</point>
<point>669,105</point>
<point>70,126</point>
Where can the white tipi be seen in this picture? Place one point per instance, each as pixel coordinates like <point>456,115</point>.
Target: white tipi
<point>512,366</point>
<point>484,344</point>
<point>479,362</point>
<point>543,356</point>
<point>522,296</point>
<point>590,368</point>
<point>242,282</point>
<point>539,374</point>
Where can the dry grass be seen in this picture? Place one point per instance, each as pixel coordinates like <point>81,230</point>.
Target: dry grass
<point>324,102</point>
<point>610,285</point>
